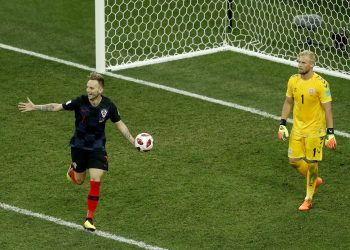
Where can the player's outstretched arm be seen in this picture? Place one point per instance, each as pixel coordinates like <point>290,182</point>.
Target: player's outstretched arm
<point>30,106</point>
<point>125,131</point>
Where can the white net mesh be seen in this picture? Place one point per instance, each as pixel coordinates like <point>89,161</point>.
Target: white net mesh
<point>138,30</point>
<point>142,30</point>
<point>284,28</point>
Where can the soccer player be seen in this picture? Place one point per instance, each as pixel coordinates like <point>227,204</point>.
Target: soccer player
<point>88,150</point>
<point>309,95</point>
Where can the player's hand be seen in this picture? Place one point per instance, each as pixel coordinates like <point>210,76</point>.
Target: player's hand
<point>26,106</point>
<point>330,141</point>
<point>282,133</point>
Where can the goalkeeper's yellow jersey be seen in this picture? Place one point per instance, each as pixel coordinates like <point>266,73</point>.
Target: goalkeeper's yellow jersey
<point>308,115</point>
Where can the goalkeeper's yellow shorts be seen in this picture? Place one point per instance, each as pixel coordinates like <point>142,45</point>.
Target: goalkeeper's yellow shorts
<point>305,147</point>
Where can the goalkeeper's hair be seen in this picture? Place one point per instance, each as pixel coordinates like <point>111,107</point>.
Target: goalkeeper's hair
<point>311,55</point>
<point>97,77</point>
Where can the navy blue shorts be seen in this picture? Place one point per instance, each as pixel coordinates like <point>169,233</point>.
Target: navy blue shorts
<point>84,159</point>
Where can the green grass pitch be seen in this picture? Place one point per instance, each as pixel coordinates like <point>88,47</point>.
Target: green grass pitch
<point>217,177</point>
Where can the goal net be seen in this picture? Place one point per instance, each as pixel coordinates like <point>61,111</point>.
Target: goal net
<point>139,32</point>
<point>132,33</point>
<point>279,30</point>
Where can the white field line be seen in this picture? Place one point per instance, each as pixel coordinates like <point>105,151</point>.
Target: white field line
<point>78,227</point>
<point>146,83</point>
<point>158,86</point>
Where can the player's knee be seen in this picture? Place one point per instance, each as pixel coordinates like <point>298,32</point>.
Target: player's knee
<point>293,162</point>
<point>311,161</point>
<point>97,179</point>
<point>95,174</point>
<point>293,165</point>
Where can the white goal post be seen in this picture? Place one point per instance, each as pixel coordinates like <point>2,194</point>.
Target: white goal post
<point>132,33</point>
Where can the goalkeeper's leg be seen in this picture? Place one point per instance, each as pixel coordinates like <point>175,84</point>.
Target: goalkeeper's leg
<point>296,154</point>
<point>300,165</point>
<point>314,154</point>
<point>303,168</point>
<point>311,180</point>
<point>299,148</point>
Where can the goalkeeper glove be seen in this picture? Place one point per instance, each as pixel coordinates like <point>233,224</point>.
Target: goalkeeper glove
<point>283,131</point>
<point>330,141</point>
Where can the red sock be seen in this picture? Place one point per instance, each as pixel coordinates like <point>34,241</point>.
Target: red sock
<point>93,197</point>
<point>72,175</point>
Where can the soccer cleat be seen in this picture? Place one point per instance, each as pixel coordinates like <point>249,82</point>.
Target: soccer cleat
<point>68,174</point>
<point>89,225</point>
<point>306,206</point>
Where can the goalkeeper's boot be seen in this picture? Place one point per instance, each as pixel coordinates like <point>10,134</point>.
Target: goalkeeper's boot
<point>306,206</point>
<point>89,225</point>
<point>319,182</point>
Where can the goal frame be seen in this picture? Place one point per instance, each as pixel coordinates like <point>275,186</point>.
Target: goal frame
<point>100,43</point>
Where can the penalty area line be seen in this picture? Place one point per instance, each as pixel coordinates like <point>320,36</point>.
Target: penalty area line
<point>78,227</point>
<point>157,86</point>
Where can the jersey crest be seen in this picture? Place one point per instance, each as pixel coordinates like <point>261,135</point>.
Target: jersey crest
<point>103,115</point>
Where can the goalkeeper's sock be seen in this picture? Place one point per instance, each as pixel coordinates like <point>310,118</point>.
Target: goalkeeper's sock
<point>301,165</point>
<point>311,180</point>
<point>93,197</point>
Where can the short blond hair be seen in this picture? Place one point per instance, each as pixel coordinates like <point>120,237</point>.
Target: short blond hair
<point>311,55</point>
<point>97,77</point>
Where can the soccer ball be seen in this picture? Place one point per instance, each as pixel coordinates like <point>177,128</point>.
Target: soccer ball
<point>144,142</point>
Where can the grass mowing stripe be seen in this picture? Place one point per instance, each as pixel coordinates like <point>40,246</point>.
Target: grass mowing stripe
<point>78,227</point>
<point>158,86</point>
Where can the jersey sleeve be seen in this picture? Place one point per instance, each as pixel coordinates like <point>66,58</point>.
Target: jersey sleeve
<point>325,92</point>
<point>289,92</point>
<point>72,104</point>
<point>114,113</point>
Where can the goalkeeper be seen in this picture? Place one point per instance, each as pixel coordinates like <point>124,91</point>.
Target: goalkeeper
<point>308,94</point>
